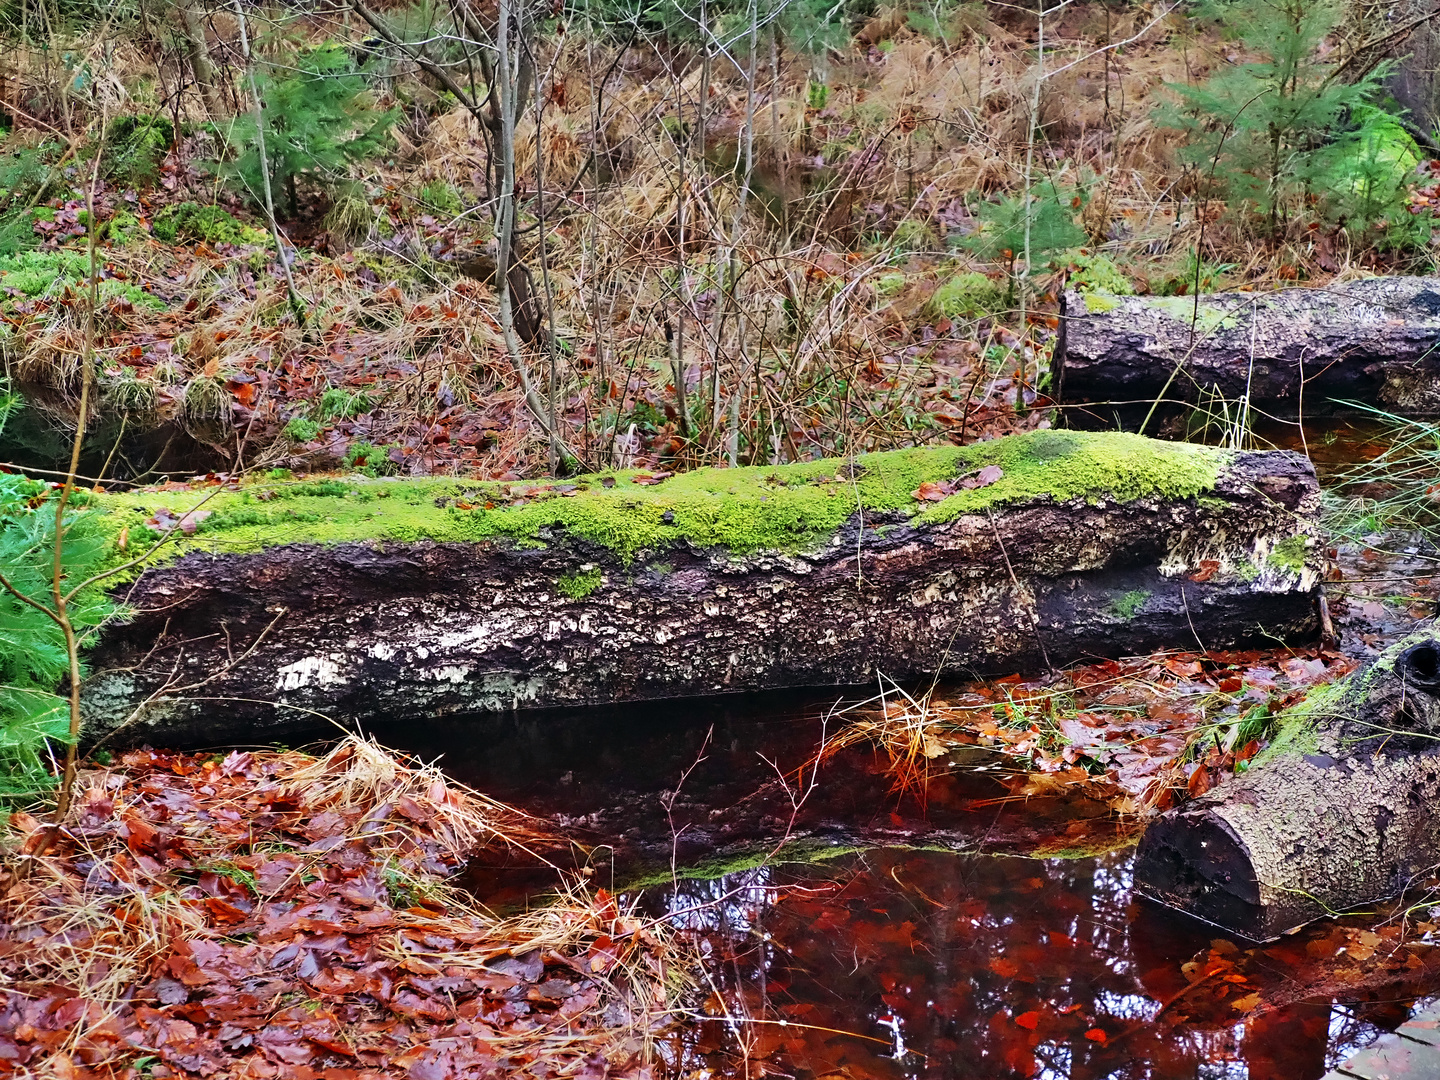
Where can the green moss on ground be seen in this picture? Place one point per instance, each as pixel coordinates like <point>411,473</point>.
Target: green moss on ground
<point>786,508</point>
<point>188,221</point>
<point>967,295</point>
<point>1095,273</point>
<point>36,273</point>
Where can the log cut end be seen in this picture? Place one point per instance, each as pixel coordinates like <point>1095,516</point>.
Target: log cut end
<point>1195,862</point>
<point>1337,813</point>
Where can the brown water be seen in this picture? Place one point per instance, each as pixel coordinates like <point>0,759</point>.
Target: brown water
<point>856,932</point>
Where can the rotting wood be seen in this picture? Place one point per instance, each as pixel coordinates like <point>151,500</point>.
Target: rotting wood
<point>1376,342</point>
<point>1338,812</point>
<point>388,629</point>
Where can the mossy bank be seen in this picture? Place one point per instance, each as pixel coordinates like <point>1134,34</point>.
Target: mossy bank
<point>363,598</point>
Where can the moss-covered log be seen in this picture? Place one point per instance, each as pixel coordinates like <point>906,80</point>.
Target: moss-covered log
<point>1339,811</point>
<point>372,599</point>
<point>1376,342</point>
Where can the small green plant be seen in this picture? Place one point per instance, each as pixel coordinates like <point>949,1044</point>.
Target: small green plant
<point>206,399</point>
<point>1366,177</point>
<point>33,656</point>
<point>189,222</point>
<point>317,118</point>
<point>440,197</point>
<point>301,429</point>
<point>337,403</point>
<point>891,284</point>
<point>366,457</point>
<point>135,147</point>
<point>580,584</point>
<point>912,235</point>
<point>1093,272</point>
<point>1257,133</point>
<point>1046,218</point>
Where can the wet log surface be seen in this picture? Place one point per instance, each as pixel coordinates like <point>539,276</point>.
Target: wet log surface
<point>1340,812</point>
<point>254,645</point>
<point>1373,342</point>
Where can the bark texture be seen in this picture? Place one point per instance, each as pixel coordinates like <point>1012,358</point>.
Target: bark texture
<point>1415,81</point>
<point>1368,341</point>
<point>1340,813</point>
<point>248,646</point>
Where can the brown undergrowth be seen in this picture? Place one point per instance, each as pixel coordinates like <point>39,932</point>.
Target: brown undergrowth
<point>821,318</point>
<point>271,914</point>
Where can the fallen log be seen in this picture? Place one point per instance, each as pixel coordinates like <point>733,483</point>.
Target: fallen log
<point>1338,812</point>
<point>366,600</point>
<point>1298,350</point>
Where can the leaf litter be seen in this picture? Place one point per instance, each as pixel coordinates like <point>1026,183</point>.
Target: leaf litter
<point>1141,733</point>
<point>270,914</point>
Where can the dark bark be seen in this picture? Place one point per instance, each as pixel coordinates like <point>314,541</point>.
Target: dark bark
<point>369,632</point>
<point>1343,813</point>
<point>1297,350</point>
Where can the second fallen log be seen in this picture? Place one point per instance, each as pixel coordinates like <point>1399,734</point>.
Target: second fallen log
<point>1376,342</point>
<point>366,600</point>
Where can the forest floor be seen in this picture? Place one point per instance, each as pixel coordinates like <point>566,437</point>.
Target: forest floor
<point>271,914</point>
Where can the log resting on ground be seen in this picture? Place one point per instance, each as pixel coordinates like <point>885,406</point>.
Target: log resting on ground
<point>1373,342</point>
<point>1338,812</point>
<point>446,596</point>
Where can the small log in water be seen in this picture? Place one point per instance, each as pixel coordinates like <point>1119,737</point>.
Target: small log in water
<point>1340,811</point>
<point>427,596</point>
<point>1376,342</point>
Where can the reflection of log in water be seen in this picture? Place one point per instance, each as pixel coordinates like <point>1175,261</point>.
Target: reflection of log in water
<point>1375,341</point>
<point>1339,812</point>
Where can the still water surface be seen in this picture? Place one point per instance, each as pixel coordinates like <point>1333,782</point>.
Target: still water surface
<point>856,932</point>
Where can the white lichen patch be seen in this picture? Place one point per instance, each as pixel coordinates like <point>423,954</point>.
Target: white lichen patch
<point>309,671</point>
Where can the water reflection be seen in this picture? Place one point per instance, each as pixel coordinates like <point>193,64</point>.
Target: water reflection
<point>971,961</point>
<point>979,966</point>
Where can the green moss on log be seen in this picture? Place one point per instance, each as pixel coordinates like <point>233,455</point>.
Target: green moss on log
<point>1126,606</point>
<point>1289,554</point>
<point>784,508</point>
<point>581,584</point>
<point>1295,728</point>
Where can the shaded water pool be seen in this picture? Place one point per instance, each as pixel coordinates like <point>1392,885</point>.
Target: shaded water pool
<point>986,928</point>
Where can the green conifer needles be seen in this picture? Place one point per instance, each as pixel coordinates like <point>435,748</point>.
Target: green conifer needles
<point>33,660</point>
<point>318,118</point>
<point>1284,132</point>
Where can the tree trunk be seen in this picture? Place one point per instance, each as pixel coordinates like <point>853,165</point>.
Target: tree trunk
<point>1012,579</point>
<point>1299,350</point>
<point>200,64</point>
<point>1415,80</point>
<point>1338,812</point>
